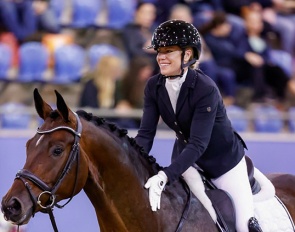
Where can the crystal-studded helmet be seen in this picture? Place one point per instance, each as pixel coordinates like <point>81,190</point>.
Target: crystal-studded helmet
<point>177,32</point>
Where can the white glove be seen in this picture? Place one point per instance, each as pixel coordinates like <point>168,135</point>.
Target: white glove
<point>156,184</point>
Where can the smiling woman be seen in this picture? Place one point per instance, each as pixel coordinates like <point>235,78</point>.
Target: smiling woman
<point>190,104</point>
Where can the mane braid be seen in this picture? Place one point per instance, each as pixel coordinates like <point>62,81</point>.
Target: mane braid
<point>101,122</point>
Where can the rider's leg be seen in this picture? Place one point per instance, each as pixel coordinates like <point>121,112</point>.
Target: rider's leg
<point>236,183</point>
<point>195,183</point>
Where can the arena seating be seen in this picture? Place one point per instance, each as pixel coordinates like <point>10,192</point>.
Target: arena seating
<point>96,51</point>
<point>69,64</point>
<point>267,119</point>
<point>33,58</point>
<point>5,60</point>
<point>85,13</point>
<point>238,118</point>
<point>291,119</point>
<point>13,116</point>
<point>120,13</point>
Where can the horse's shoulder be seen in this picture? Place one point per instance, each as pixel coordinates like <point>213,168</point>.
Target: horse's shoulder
<point>177,189</point>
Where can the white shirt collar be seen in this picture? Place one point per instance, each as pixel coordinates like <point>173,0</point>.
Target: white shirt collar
<point>173,88</point>
<point>180,80</point>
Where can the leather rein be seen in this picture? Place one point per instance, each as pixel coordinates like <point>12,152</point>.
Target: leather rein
<point>25,175</point>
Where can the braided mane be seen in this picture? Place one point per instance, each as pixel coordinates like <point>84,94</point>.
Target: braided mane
<point>120,133</point>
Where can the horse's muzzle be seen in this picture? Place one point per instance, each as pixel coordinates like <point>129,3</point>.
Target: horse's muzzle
<point>14,212</point>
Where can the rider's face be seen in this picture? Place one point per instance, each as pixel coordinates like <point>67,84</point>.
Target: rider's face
<point>169,60</point>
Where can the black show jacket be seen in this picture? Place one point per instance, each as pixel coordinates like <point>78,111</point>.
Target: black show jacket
<point>204,133</point>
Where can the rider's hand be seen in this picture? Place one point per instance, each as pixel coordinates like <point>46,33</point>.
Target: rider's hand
<point>156,184</point>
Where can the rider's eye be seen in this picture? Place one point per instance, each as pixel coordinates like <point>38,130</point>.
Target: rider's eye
<point>57,151</point>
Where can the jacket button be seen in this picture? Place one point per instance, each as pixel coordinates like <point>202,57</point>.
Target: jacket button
<point>180,132</point>
<point>175,123</point>
<point>185,141</point>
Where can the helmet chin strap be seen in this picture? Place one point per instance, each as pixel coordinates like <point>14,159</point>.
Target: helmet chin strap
<point>182,66</point>
<point>189,63</point>
<point>172,77</point>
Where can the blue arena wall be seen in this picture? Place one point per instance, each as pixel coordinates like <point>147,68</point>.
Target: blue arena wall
<point>269,152</point>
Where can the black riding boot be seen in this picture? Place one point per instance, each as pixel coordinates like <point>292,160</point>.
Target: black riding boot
<point>254,225</point>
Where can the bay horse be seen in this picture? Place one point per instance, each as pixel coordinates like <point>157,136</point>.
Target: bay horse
<point>74,151</point>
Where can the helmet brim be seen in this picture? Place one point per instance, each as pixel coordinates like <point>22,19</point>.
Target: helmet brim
<point>149,47</point>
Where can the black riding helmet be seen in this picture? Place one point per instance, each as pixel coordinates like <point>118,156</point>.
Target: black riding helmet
<point>180,33</point>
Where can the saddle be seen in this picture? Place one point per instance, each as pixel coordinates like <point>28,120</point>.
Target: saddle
<point>222,201</point>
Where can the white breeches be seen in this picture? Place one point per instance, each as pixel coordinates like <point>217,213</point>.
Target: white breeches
<point>195,183</point>
<point>236,183</point>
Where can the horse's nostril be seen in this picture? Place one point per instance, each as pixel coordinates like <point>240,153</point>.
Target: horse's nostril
<point>12,209</point>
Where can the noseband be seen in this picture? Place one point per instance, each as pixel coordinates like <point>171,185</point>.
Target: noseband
<point>25,175</point>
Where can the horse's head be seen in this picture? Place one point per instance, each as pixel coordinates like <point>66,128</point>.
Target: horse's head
<point>54,168</point>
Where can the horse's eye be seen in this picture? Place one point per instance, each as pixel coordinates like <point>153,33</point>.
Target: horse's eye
<point>57,151</point>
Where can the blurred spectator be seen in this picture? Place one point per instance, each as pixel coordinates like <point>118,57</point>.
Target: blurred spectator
<point>273,73</point>
<point>280,24</point>
<point>275,22</point>
<point>224,77</point>
<point>138,34</point>
<point>164,9</point>
<point>286,10</point>
<point>140,69</point>
<point>45,16</point>
<point>285,7</point>
<point>101,90</point>
<point>133,83</point>
<point>17,16</point>
<point>223,39</point>
<point>247,53</point>
<point>203,10</point>
<point>182,12</point>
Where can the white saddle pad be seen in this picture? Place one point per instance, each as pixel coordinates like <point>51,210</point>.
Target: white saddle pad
<point>270,211</point>
<point>273,216</point>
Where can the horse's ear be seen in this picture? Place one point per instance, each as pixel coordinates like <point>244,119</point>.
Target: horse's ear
<point>62,106</point>
<point>42,108</point>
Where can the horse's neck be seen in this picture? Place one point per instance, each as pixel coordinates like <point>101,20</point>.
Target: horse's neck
<point>107,216</point>
<point>114,186</point>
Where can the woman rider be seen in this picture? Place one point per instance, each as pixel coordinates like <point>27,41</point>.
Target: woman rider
<point>190,103</point>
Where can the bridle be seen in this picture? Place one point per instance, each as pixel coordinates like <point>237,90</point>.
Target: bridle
<point>25,175</point>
